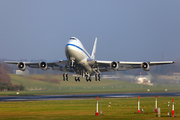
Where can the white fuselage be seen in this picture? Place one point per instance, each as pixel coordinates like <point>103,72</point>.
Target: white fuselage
<point>74,50</point>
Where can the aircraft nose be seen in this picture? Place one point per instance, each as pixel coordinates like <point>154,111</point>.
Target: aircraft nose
<point>69,48</point>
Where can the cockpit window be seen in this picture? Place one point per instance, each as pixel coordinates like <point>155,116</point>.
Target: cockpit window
<point>72,38</point>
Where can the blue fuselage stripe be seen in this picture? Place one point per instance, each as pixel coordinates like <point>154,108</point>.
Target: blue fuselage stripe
<point>78,48</point>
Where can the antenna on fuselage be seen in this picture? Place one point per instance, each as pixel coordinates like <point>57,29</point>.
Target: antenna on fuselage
<point>94,49</point>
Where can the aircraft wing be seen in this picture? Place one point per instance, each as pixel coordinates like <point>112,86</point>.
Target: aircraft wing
<point>105,66</point>
<point>54,64</point>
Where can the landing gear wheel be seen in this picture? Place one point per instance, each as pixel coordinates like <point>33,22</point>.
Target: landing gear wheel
<point>95,77</point>
<point>64,77</point>
<point>77,79</point>
<point>99,77</point>
<point>88,79</point>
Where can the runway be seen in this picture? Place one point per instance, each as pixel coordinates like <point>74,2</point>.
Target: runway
<point>84,96</point>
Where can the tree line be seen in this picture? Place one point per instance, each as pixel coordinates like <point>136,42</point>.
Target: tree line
<point>11,87</point>
<point>5,79</point>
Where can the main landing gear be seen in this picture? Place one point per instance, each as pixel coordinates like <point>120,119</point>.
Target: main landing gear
<point>77,79</point>
<point>65,77</point>
<point>88,79</point>
<point>97,77</point>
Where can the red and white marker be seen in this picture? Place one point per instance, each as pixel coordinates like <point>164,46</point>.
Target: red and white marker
<point>97,113</point>
<point>172,107</point>
<point>138,105</point>
<point>156,103</point>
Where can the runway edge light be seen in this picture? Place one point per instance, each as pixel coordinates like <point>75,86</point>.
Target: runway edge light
<point>97,113</point>
<point>172,107</point>
<point>138,105</point>
<point>156,103</point>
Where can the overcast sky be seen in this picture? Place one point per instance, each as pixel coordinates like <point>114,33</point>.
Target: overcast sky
<point>132,30</point>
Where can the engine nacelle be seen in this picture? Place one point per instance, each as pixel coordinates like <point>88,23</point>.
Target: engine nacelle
<point>21,66</point>
<point>145,66</point>
<point>114,65</point>
<point>43,65</point>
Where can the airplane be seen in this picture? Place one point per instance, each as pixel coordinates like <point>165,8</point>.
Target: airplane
<point>79,61</point>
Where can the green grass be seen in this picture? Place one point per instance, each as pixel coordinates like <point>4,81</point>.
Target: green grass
<point>121,108</point>
<point>35,87</point>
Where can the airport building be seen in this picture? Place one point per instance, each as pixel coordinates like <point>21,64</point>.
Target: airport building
<point>176,76</point>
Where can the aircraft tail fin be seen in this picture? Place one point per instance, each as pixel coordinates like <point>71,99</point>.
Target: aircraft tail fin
<point>94,49</point>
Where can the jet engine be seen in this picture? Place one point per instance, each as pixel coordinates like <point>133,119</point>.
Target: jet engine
<point>145,66</point>
<point>43,65</point>
<point>21,66</point>
<point>114,65</point>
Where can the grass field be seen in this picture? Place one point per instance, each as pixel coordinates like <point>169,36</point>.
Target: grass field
<point>121,108</point>
<point>36,87</point>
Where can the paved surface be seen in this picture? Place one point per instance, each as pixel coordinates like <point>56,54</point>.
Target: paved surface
<point>84,96</point>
